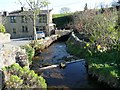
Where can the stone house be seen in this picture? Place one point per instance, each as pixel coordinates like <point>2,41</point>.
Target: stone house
<point>20,24</point>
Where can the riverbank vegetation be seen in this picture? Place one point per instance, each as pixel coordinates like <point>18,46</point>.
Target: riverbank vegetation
<point>102,48</point>
<point>30,52</point>
<point>18,77</point>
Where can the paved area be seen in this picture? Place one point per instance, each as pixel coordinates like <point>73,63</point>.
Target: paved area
<point>18,42</point>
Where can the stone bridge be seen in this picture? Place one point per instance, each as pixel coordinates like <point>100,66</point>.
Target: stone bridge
<point>62,32</point>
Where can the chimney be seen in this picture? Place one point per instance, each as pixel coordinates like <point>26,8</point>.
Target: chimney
<point>21,8</point>
<point>4,13</point>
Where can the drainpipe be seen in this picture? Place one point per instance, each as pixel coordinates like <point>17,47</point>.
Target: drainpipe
<point>48,20</point>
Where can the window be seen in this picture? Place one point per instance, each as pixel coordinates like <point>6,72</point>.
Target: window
<point>37,29</point>
<point>24,19</point>
<point>14,30</point>
<point>44,28</point>
<point>13,19</point>
<point>42,19</point>
<point>24,29</point>
<point>40,28</point>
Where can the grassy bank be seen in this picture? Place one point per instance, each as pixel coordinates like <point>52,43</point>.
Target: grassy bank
<point>103,66</point>
<point>75,47</point>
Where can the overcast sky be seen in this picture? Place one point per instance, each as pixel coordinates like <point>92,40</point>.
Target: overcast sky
<point>74,5</point>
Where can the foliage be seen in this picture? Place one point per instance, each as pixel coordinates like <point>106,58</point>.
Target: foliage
<point>100,27</point>
<point>30,52</point>
<point>76,48</point>
<point>23,78</point>
<point>14,81</point>
<point>62,20</point>
<point>2,28</point>
<point>116,3</point>
<point>37,45</point>
<point>103,50</point>
<point>59,15</point>
<point>86,7</point>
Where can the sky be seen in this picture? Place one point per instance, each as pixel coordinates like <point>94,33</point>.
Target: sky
<point>73,5</point>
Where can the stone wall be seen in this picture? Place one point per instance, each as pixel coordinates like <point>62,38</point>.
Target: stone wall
<point>4,37</point>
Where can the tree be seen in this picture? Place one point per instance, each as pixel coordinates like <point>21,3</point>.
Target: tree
<point>65,10</point>
<point>35,7</point>
<point>102,6</point>
<point>116,4</point>
<point>86,7</point>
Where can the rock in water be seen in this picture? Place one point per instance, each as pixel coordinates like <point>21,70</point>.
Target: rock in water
<point>62,65</point>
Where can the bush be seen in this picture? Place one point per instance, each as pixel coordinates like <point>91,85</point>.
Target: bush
<point>30,52</point>
<point>100,28</point>
<point>2,28</point>
<point>19,77</point>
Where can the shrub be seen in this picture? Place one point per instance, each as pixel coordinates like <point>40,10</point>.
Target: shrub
<point>14,82</point>
<point>2,28</point>
<point>30,52</point>
<point>22,78</point>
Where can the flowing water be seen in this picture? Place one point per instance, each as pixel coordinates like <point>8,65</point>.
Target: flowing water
<point>74,75</point>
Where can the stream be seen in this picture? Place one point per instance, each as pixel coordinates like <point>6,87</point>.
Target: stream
<point>74,75</point>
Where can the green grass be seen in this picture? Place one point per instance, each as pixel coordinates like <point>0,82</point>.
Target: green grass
<point>60,15</point>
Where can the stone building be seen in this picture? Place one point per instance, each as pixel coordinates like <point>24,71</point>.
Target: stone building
<point>20,24</point>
